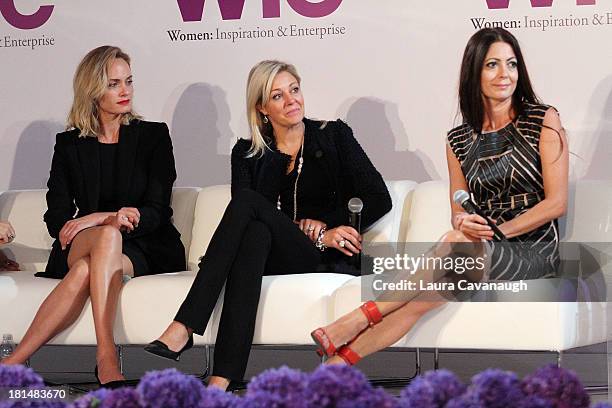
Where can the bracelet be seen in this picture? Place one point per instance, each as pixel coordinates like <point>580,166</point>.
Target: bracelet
<point>319,242</point>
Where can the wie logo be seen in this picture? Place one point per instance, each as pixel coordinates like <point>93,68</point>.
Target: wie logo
<point>24,21</point>
<point>503,4</point>
<point>192,10</point>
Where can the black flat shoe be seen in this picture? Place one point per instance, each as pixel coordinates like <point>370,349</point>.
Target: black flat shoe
<point>111,384</point>
<point>160,349</point>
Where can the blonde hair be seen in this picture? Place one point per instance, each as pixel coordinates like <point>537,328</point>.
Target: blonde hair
<point>259,85</point>
<point>89,84</point>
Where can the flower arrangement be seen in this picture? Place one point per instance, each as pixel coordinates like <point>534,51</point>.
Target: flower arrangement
<point>328,386</point>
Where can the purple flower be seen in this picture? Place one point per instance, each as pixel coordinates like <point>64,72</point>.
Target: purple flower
<point>33,404</point>
<point>19,376</point>
<point>603,404</point>
<point>558,385</point>
<point>91,399</point>
<point>491,388</point>
<point>277,388</point>
<point>125,397</point>
<point>215,398</point>
<point>170,389</point>
<point>330,385</point>
<point>374,398</point>
<point>431,390</point>
<point>533,401</point>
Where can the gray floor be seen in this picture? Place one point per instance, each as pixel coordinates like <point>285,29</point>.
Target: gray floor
<point>62,364</point>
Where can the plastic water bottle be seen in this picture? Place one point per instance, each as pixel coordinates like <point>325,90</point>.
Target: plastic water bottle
<point>7,346</point>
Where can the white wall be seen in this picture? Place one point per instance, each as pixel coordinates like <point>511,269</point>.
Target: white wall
<point>393,76</point>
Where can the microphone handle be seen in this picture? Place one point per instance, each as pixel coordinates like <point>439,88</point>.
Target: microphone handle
<point>355,222</point>
<point>471,208</point>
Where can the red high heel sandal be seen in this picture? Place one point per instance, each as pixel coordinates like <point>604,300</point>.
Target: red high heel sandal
<point>327,347</point>
<point>348,355</point>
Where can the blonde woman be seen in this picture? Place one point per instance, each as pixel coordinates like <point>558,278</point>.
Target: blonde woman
<point>108,208</point>
<point>290,186</point>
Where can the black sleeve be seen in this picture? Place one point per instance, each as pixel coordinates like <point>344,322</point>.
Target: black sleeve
<point>60,196</point>
<point>155,208</point>
<point>273,167</point>
<point>358,171</point>
<point>241,171</point>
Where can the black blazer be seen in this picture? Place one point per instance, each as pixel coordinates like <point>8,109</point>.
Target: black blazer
<point>145,173</point>
<point>349,169</point>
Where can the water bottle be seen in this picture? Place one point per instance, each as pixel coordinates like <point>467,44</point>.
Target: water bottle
<point>7,346</point>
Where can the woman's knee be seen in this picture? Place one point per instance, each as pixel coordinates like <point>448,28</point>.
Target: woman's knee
<point>108,236</point>
<point>454,236</point>
<point>257,231</point>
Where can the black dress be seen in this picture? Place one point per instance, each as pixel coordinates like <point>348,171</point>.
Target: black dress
<point>143,166</point>
<point>504,175</point>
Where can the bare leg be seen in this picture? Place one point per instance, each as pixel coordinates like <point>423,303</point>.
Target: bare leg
<point>107,265</point>
<point>399,317</point>
<point>58,311</point>
<point>175,336</point>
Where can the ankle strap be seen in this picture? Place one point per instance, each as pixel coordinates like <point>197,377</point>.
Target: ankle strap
<point>348,355</point>
<point>371,312</point>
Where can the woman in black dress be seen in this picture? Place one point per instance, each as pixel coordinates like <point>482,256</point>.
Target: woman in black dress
<point>290,186</point>
<point>108,208</point>
<point>511,155</point>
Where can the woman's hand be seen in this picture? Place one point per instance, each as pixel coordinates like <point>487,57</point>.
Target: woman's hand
<point>120,221</point>
<point>474,226</point>
<point>311,228</point>
<point>7,232</point>
<point>73,227</point>
<point>132,214</point>
<point>344,238</point>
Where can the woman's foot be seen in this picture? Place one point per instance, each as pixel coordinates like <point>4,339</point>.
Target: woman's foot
<point>176,336</point>
<point>108,369</point>
<point>342,330</point>
<point>218,382</point>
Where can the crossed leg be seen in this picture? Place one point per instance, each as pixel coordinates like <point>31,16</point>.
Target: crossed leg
<point>96,267</point>
<point>399,316</point>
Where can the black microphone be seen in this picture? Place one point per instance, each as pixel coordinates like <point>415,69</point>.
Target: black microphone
<point>462,198</point>
<point>355,205</point>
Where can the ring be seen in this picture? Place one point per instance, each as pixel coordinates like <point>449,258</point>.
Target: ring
<point>123,217</point>
<point>342,243</point>
<point>310,229</point>
<point>11,237</point>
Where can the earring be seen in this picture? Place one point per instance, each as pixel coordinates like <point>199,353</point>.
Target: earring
<point>265,119</point>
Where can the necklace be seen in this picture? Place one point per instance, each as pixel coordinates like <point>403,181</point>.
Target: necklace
<point>299,171</point>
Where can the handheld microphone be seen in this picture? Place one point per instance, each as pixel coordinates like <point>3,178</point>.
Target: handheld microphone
<point>355,205</point>
<point>462,198</point>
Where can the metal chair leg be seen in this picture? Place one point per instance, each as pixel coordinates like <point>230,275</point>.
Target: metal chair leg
<point>436,359</point>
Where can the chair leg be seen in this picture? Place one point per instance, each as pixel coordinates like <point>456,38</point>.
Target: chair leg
<point>559,358</point>
<point>436,359</point>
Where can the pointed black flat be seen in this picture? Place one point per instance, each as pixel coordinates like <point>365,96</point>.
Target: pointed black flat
<point>161,349</point>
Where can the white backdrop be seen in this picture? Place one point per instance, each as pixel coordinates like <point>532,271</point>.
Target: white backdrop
<point>392,75</point>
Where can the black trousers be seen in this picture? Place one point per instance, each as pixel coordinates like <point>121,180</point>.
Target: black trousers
<point>253,239</point>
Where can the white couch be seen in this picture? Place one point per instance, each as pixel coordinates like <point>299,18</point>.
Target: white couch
<point>292,306</point>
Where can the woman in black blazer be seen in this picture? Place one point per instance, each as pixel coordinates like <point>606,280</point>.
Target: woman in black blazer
<point>108,207</point>
<point>290,187</point>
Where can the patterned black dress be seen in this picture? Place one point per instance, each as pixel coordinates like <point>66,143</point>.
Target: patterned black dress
<point>503,171</point>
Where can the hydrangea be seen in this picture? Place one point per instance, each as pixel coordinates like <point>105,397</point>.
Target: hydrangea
<point>215,398</point>
<point>373,398</point>
<point>431,390</point>
<point>558,385</point>
<point>125,397</point>
<point>491,388</point>
<point>170,389</point>
<point>277,388</point>
<point>91,399</point>
<point>331,385</point>
<point>33,404</point>
<point>19,376</point>
<point>533,401</point>
<point>603,404</point>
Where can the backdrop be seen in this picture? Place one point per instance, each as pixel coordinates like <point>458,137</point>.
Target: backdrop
<point>389,68</point>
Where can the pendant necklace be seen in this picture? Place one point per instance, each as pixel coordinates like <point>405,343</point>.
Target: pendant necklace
<point>300,162</point>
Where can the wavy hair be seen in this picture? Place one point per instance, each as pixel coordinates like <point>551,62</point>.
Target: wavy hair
<point>89,84</point>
